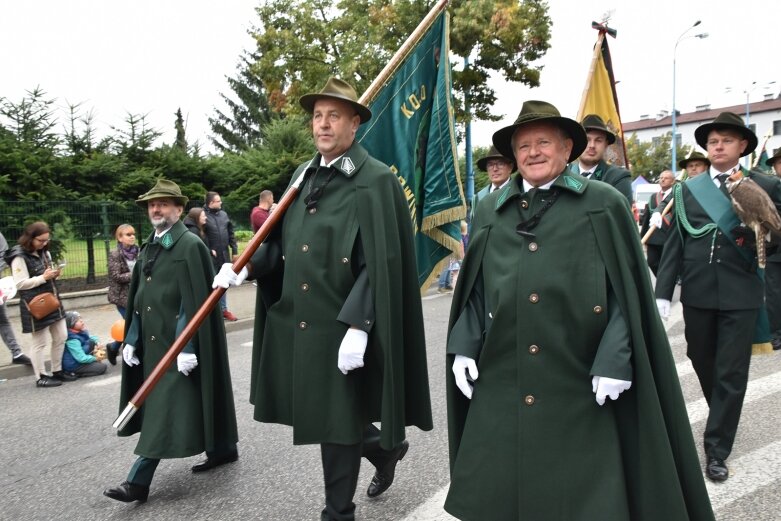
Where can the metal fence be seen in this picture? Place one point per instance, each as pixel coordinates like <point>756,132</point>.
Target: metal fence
<point>82,233</point>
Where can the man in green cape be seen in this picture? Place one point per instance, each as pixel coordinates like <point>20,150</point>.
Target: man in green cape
<point>339,339</point>
<point>554,314</point>
<point>190,410</point>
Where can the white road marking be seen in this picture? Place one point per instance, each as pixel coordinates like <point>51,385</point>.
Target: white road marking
<point>105,381</point>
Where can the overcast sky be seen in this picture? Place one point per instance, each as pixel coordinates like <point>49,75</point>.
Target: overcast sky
<point>154,56</point>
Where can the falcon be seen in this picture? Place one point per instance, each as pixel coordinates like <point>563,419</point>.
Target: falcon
<point>755,208</point>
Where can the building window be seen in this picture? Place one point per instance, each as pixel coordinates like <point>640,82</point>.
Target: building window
<point>777,128</point>
<point>678,140</point>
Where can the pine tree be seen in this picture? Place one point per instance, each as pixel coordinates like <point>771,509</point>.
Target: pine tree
<point>241,128</point>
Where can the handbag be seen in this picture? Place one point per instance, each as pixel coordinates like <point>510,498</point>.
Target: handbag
<point>42,304</point>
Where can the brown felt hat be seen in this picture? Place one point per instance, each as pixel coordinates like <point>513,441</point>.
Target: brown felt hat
<point>163,189</point>
<point>594,122</point>
<point>694,156</point>
<point>336,89</point>
<point>726,121</point>
<point>536,112</point>
<point>772,160</point>
<point>482,163</point>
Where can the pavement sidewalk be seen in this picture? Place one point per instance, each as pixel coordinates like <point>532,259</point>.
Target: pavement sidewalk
<point>99,316</point>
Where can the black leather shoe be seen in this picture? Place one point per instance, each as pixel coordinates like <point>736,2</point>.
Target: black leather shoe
<point>127,492</point>
<point>210,463</point>
<point>65,376</point>
<point>383,478</point>
<point>22,359</point>
<point>716,469</point>
<point>47,381</point>
<point>111,353</point>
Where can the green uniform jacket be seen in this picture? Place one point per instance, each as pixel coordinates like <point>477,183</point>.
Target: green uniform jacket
<point>533,443</point>
<point>359,230</point>
<point>616,176</point>
<point>183,415</point>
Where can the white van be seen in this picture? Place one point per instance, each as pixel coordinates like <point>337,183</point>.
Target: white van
<point>643,193</point>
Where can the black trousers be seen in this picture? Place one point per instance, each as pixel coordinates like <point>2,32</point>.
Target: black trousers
<point>719,347</point>
<point>341,464</point>
<point>653,254</point>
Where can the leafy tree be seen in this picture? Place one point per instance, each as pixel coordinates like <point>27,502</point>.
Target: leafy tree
<point>242,128</point>
<point>287,144</point>
<point>650,158</point>
<point>302,42</point>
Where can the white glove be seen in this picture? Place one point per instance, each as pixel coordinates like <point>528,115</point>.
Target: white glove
<point>186,362</point>
<point>461,365</point>
<point>663,305</point>
<point>227,277</point>
<point>129,355</point>
<point>656,219</point>
<point>351,350</point>
<point>603,387</point>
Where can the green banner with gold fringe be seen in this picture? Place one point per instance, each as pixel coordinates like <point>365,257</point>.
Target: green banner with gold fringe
<point>412,131</point>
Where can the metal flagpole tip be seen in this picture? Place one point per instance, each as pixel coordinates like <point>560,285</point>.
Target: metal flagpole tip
<point>125,417</point>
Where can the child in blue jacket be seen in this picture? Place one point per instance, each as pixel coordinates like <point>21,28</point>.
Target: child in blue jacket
<point>83,355</point>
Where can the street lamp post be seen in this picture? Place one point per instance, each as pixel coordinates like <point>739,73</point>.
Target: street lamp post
<point>675,51</point>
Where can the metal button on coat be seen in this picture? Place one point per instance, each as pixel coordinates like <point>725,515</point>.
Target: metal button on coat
<point>367,322</point>
<point>534,298</point>
<point>305,248</point>
<point>533,349</point>
<point>524,204</point>
<point>303,325</point>
<point>533,246</point>
<point>149,308</point>
<point>528,399</point>
<point>149,279</point>
<point>345,260</point>
<point>597,309</point>
<point>304,287</point>
<point>152,338</point>
<point>312,211</point>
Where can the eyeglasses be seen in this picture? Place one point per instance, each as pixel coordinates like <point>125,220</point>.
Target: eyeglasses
<point>42,241</point>
<point>496,164</point>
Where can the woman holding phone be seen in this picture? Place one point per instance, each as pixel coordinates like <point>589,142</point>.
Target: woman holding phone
<point>34,274</point>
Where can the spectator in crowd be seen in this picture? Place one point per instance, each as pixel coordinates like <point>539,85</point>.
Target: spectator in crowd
<point>221,241</point>
<point>6,331</point>
<point>196,223</point>
<point>31,264</point>
<point>261,212</point>
<point>120,266</point>
<point>83,354</point>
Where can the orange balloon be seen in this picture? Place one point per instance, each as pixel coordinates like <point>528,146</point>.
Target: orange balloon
<point>118,330</point>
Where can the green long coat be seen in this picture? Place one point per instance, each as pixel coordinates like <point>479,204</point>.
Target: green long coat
<point>183,415</point>
<point>533,444</point>
<point>361,215</point>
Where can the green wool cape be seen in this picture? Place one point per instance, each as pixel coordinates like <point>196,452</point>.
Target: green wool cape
<point>305,275</point>
<point>183,415</point>
<point>533,444</point>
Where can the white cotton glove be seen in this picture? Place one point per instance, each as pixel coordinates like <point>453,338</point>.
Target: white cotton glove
<point>656,219</point>
<point>227,277</point>
<point>461,365</point>
<point>603,387</point>
<point>351,350</point>
<point>663,305</point>
<point>129,355</point>
<point>186,362</point>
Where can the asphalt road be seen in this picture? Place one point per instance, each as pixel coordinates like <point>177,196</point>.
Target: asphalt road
<point>58,452</point>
